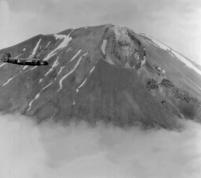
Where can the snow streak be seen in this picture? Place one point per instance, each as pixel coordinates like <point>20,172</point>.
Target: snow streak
<point>69,73</point>
<point>8,81</point>
<point>184,60</point>
<point>92,69</point>
<point>55,64</point>
<point>103,47</point>
<point>49,84</point>
<point>81,85</point>
<point>32,101</point>
<point>36,48</point>
<point>76,55</point>
<point>65,41</point>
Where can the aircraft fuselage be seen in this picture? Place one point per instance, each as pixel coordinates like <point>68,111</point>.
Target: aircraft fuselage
<point>25,62</point>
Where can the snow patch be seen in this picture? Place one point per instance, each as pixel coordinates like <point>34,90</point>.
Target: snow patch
<point>33,68</point>
<point>69,73</point>
<point>170,52</point>
<point>49,84</point>
<point>103,47</point>
<point>40,80</point>
<point>109,60</point>
<point>25,67</point>
<point>177,55</point>
<point>74,102</point>
<point>92,69</point>
<point>85,80</point>
<point>60,70</point>
<point>7,82</point>
<point>186,62</point>
<point>76,55</point>
<point>58,36</point>
<point>36,48</point>
<point>48,44</point>
<point>54,65</point>
<point>3,64</point>
<point>81,85</point>
<point>160,45</point>
<point>157,43</point>
<point>65,41</point>
<point>32,101</point>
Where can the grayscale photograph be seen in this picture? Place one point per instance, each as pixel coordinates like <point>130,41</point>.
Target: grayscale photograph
<point>100,89</point>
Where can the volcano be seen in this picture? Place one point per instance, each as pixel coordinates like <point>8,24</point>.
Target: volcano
<point>103,73</point>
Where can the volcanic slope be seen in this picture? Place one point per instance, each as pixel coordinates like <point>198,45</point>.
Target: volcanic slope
<point>106,73</point>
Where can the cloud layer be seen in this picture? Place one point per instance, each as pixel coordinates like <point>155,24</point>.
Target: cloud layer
<point>52,150</point>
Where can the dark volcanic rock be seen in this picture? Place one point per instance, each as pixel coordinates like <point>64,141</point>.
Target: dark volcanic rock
<point>100,73</point>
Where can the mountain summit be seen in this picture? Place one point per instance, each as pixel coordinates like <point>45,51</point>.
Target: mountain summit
<point>106,73</point>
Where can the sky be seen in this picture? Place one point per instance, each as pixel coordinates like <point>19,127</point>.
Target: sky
<point>176,23</point>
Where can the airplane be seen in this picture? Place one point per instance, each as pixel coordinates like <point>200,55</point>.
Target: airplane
<point>22,61</point>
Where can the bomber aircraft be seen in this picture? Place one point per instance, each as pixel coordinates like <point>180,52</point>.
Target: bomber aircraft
<point>22,61</point>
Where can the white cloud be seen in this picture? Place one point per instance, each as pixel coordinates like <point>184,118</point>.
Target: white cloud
<point>52,150</point>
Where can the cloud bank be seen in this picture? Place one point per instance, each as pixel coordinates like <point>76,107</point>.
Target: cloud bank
<point>28,150</point>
